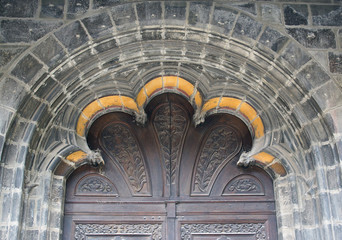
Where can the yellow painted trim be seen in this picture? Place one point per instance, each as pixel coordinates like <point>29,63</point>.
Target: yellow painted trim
<point>278,168</point>
<point>165,82</point>
<point>264,157</point>
<point>99,105</point>
<point>248,111</point>
<point>228,102</point>
<point>236,104</point>
<point>170,81</point>
<point>210,104</point>
<point>76,156</point>
<point>153,86</point>
<point>258,127</point>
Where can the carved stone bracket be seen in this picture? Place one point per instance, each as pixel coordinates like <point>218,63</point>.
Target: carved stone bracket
<point>94,158</point>
<point>246,160</point>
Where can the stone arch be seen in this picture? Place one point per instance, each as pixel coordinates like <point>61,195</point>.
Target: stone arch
<point>254,65</point>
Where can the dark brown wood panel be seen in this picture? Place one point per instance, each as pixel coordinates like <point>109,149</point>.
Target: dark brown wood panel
<point>169,180</point>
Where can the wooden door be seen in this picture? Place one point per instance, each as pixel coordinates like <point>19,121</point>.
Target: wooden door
<point>169,180</point>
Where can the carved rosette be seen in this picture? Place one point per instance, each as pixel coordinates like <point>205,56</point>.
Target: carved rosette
<point>121,144</point>
<point>95,185</point>
<point>244,185</point>
<point>170,124</point>
<point>219,147</point>
<point>256,229</point>
<point>82,231</point>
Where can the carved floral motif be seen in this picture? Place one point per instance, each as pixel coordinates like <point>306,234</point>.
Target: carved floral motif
<point>170,124</point>
<point>220,146</point>
<point>94,185</point>
<point>122,145</point>
<point>84,230</point>
<point>244,184</point>
<point>258,229</point>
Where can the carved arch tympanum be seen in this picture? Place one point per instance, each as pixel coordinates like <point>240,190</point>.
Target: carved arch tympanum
<point>169,179</point>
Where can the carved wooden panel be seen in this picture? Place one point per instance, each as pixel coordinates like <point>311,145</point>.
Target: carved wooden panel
<point>244,185</point>
<point>217,231</point>
<point>170,124</point>
<point>219,147</point>
<point>120,143</point>
<point>93,184</point>
<point>140,231</point>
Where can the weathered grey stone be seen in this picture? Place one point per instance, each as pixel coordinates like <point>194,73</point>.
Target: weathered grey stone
<point>19,30</point>
<point>311,38</point>
<point>248,7</point>
<point>335,62</point>
<point>27,68</point>
<point>312,76</point>
<point>11,93</point>
<point>77,7</point>
<point>223,19</point>
<point>271,13</point>
<point>72,36</point>
<point>325,15</point>
<point>52,9</point>
<point>149,13</point>
<point>98,25</point>
<point>328,96</point>
<point>151,35</point>
<point>175,13</point>
<point>8,53</point>
<point>246,26</point>
<point>50,52</point>
<point>6,207</point>
<point>340,37</point>
<point>332,119</point>
<point>123,16</point>
<point>199,13</point>
<point>295,55</point>
<point>296,14</point>
<point>104,3</point>
<point>273,39</point>
<point>109,45</point>
<point>18,8</point>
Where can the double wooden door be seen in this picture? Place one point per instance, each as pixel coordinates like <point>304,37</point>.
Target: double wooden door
<point>169,180</point>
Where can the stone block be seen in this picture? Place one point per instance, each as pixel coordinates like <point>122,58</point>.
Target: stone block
<point>105,46</point>
<point>16,206</point>
<point>7,180</point>
<point>45,88</point>
<point>77,8</point>
<point>98,25</point>
<point>50,52</point>
<point>340,37</point>
<point>199,14</point>
<point>18,8</point>
<point>326,15</point>
<point>8,53</point>
<point>72,36</point>
<point>105,3</point>
<point>19,30</point>
<point>328,96</point>
<point>52,9</point>
<point>247,7</point>
<point>124,16</point>
<point>335,62</point>
<point>223,19</point>
<point>149,13</point>
<point>11,93</point>
<point>295,55</point>
<point>273,39</point>
<point>295,14</point>
<point>271,13</point>
<point>314,38</point>
<point>312,76</point>
<point>333,118</point>
<point>27,68</point>
<point>338,230</point>
<point>6,207</point>
<point>151,35</point>
<point>175,13</point>
<point>246,26</point>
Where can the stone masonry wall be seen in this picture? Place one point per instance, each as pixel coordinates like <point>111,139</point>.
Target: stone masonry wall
<point>282,57</point>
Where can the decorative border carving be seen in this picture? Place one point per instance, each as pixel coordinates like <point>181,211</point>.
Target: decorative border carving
<point>95,185</point>
<point>244,185</point>
<point>258,229</point>
<point>82,230</point>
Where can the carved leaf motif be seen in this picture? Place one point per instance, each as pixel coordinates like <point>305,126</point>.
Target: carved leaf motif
<point>170,123</point>
<point>94,185</point>
<point>258,229</point>
<point>83,230</point>
<point>247,185</point>
<point>122,145</point>
<point>219,147</point>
